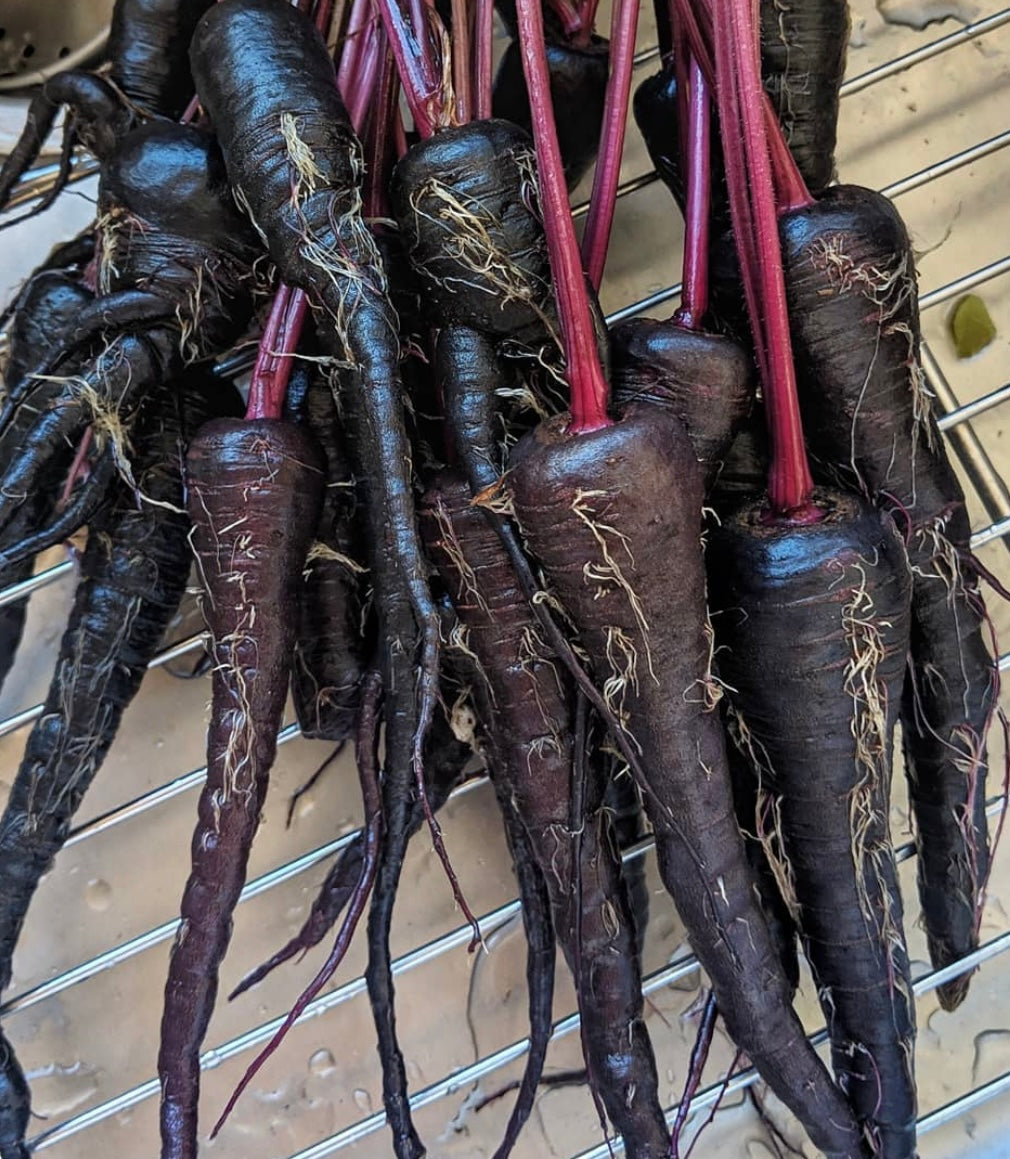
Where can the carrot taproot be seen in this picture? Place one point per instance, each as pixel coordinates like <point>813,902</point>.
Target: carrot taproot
<point>254,490</point>
<point>825,608</point>
<point>855,326</point>
<point>43,311</point>
<point>605,514</point>
<point>803,50</point>
<point>133,575</point>
<point>531,728</point>
<point>265,77</point>
<point>578,88</point>
<point>335,627</point>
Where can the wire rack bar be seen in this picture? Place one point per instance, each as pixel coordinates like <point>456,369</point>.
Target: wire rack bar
<point>748,1077</point>
<point>165,656</point>
<point>975,460</point>
<point>963,35</point>
<point>153,937</point>
<point>989,534</point>
<point>36,582</point>
<point>970,410</point>
<point>965,283</point>
<point>146,801</point>
<point>431,951</point>
<point>39,181</point>
<point>952,1111</point>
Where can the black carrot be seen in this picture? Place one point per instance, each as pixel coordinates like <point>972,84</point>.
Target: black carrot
<point>606,507</point>
<point>254,490</point>
<point>133,575</point>
<point>531,725</point>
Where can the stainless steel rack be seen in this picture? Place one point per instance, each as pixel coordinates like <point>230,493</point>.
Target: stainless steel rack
<point>69,1135</point>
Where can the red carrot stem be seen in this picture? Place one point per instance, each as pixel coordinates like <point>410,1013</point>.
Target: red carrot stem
<point>362,93</point>
<point>461,60</point>
<point>421,85</point>
<point>694,297</point>
<point>791,191</point>
<point>603,199</point>
<point>589,391</point>
<point>752,208</point>
<point>381,143</point>
<point>324,11</point>
<point>269,382</point>
<point>695,23</point>
<point>587,11</point>
<point>483,58</point>
<point>682,73</point>
<point>571,21</point>
<point>400,132</point>
<point>358,19</point>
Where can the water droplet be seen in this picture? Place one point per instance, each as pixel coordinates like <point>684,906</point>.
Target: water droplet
<point>363,1101</point>
<point>322,1063</point>
<point>59,1089</point>
<point>918,14</point>
<point>992,1055</point>
<point>306,805</point>
<point>414,1073</point>
<point>98,894</point>
<point>346,825</point>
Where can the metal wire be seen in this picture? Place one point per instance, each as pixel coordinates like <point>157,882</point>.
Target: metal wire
<point>956,422</point>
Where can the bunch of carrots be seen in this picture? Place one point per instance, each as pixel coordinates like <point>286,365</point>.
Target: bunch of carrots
<point>449,484</point>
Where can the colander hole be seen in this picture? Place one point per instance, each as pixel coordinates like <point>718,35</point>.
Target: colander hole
<point>28,50</point>
<point>64,51</point>
<point>3,33</point>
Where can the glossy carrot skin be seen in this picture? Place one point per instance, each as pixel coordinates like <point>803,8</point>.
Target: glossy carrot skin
<point>530,726</point>
<point>255,489</point>
<point>854,320</point>
<point>605,514</point>
<point>813,626</point>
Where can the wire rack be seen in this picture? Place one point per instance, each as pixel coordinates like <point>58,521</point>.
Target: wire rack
<point>101,999</point>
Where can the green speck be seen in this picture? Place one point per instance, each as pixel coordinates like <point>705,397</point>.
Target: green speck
<point>970,326</point>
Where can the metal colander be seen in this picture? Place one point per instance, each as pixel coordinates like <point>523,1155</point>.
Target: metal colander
<point>39,38</point>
